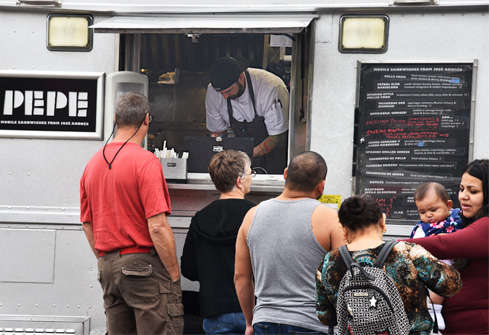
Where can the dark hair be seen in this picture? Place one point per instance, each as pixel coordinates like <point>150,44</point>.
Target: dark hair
<point>226,166</point>
<point>478,168</point>
<point>305,171</point>
<point>359,212</point>
<point>439,189</point>
<point>131,109</point>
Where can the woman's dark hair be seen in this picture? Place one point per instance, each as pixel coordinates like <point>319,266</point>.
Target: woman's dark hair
<point>478,168</point>
<point>359,212</point>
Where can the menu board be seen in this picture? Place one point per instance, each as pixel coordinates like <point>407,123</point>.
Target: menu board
<point>412,126</point>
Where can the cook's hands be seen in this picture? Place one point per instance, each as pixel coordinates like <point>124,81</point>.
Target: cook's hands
<point>218,133</point>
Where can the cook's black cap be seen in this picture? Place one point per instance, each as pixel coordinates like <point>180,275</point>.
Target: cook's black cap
<point>225,71</point>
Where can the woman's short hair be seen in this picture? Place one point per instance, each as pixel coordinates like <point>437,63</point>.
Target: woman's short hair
<point>226,166</point>
<point>359,212</point>
<point>131,109</point>
<point>479,168</point>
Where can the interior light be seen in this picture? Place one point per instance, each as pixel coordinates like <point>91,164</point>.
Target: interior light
<point>54,3</point>
<point>365,34</point>
<point>69,32</point>
<point>414,2</point>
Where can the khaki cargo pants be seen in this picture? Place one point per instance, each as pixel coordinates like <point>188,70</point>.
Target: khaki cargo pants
<point>139,296</point>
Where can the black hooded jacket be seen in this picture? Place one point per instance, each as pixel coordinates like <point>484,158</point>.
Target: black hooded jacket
<point>208,254</point>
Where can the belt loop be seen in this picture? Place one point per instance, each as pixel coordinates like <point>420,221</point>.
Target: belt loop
<point>112,254</point>
<point>153,252</point>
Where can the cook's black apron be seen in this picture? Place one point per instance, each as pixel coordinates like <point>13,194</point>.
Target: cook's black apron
<point>275,161</point>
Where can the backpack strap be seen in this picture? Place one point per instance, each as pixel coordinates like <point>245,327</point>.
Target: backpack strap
<point>350,264</point>
<point>435,321</point>
<point>345,255</point>
<point>333,321</point>
<point>386,250</point>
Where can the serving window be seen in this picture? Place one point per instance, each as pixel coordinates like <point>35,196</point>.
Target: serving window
<point>177,68</point>
<point>176,61</point>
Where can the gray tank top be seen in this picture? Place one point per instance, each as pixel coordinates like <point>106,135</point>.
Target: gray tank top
<point>285,256</point>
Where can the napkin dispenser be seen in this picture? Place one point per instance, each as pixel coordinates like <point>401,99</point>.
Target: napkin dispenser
<point>174,168</point>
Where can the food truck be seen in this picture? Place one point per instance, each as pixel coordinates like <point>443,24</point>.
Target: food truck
<point>391,93</point>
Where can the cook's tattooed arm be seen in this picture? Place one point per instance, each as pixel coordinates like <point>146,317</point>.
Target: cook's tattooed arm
<point>269,144</point>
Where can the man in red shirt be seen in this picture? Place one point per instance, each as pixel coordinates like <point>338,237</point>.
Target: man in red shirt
<point>124,208</point>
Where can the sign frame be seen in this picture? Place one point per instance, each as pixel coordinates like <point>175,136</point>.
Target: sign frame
<point>94,80</point>
<point>359,107</point>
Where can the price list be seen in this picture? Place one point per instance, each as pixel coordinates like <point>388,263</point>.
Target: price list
<point>412,126</point>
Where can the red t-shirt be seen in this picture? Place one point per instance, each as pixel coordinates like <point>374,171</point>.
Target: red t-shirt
<point>118,201</point>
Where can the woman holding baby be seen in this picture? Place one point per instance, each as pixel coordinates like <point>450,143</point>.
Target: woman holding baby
<point>468,311</point>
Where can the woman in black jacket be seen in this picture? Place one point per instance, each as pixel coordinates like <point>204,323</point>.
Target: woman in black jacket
<point>208,253</point>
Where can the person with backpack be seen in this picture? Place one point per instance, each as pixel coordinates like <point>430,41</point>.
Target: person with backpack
<point>373,287</point>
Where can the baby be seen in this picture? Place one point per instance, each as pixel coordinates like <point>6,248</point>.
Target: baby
<point>437,217</point>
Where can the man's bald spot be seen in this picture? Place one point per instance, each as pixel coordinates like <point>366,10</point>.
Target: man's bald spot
<point>305,171</point>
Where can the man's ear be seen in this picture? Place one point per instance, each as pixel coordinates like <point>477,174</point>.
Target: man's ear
<point>285,173</point>
<point>146,119</point>
<point>321,186</point>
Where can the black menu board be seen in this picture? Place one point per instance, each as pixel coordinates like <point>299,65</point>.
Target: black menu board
<point>412,126</point>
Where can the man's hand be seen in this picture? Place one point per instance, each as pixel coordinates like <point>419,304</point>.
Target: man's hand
<point>87,228</point>
<point>164,242</point>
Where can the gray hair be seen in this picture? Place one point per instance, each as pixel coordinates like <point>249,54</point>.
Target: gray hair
<point>226,166</point>
<point>130,109</point>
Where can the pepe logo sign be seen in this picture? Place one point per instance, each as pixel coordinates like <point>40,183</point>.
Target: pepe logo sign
<point>45,103</point>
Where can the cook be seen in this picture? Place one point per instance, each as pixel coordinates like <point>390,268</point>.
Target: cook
<point>254,103</point>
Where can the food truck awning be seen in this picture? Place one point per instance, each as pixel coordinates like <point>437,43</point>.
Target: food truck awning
<point>192,24</point>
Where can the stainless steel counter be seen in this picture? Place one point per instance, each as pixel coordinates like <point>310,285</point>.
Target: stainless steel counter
<point>255,187</point>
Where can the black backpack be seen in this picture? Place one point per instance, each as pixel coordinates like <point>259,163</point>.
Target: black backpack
<point>368,301</point>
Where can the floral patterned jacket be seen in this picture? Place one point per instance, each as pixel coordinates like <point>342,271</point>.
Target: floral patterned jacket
<point>409,265</point>
<point>450,225</point>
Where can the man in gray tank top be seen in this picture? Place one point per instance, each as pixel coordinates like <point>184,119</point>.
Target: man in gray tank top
<point>280,244</point>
